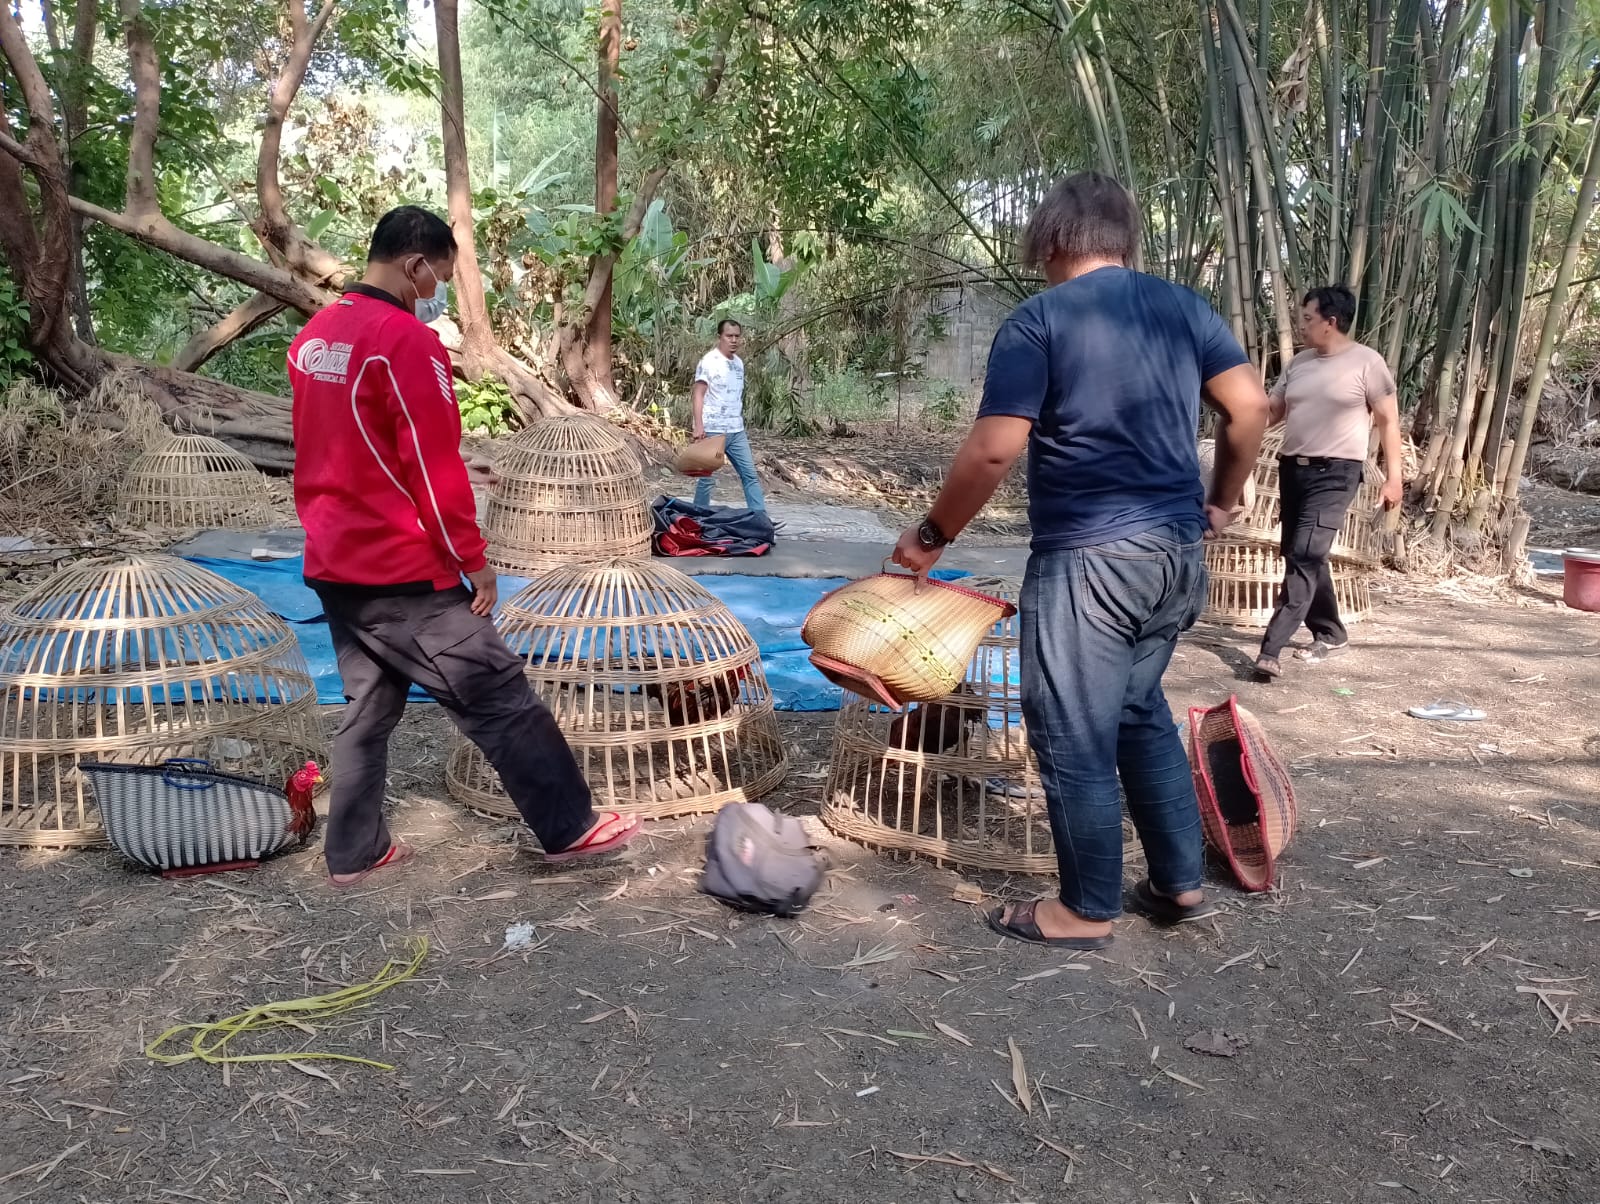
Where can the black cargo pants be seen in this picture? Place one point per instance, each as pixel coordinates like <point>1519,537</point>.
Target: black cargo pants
<point>385,645</point>
<point>1316,493</point>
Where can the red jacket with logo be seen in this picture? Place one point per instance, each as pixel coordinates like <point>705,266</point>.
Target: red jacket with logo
<point>378,478</point>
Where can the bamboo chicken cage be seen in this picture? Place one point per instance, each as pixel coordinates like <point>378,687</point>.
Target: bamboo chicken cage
<point>657,686</point>
<point>571,490</point>
<point>951,780</point>
<point>194,482</point>
<point>1359,542</point>
<point>134,661</point>
<point>1246,577</point>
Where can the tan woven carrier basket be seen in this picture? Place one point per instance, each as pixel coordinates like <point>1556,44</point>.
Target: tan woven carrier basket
<point>951,780</point>
<point>702,457</point>
<point>889,638</point>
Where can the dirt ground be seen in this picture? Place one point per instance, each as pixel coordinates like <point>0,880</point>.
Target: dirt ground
<point>654,1047</point>
<point>1417,1005</point>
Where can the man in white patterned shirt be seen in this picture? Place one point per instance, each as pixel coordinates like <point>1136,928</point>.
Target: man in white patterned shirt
<point>719,410</point>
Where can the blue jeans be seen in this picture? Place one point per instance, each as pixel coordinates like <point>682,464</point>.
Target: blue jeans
<point>1099,625</point>
<point>744,463</point>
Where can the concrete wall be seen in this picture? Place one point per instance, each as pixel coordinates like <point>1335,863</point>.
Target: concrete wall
<point>971,315</point>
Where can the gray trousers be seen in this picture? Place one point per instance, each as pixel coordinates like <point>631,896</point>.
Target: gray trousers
<point>387,644</point>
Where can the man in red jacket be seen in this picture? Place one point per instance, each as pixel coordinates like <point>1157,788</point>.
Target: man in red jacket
<point>391,529</point>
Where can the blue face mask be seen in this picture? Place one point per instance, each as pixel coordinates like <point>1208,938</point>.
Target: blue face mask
<point>431,309</point>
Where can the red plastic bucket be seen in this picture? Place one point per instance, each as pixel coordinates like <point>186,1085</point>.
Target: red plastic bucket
<point>1581,588</point>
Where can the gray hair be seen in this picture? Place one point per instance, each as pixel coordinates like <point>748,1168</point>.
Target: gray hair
<point>1084,216</point>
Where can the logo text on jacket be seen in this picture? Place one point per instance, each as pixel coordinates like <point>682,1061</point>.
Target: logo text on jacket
<point>321,360</point>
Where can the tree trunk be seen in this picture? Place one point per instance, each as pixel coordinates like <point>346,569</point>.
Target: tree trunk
<point>481,355</point>
<point>597,351</point>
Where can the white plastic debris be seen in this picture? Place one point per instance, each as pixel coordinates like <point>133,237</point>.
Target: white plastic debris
<point>519,936</point>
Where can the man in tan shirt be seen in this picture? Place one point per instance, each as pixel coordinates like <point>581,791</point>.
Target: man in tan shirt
<point>1329,398</point>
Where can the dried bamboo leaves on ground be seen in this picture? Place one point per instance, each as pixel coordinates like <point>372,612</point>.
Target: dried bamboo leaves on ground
<point>1420,1020</point>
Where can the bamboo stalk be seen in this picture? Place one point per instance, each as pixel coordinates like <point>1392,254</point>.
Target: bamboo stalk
<point>1553,317</point>
<point>1371,133</point>
<point>1267,183</point>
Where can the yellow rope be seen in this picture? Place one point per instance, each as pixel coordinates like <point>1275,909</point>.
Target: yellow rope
<point>210,1041</point>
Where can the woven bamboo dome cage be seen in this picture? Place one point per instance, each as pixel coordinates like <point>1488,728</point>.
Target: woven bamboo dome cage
<point>571,490</point>
<point>192,482</point>
<point>951,780</point>
<point>1359,541</point>
<point>134,661</point>
<point>1246,575</point>
<point>657,686</point>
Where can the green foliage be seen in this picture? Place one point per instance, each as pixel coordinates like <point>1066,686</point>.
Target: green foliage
<point>487,407</point>
<point>257,361</point>
<point>771,399</point>
<point>14,356</point>
<point>848,395</point>
<point>943,404</point>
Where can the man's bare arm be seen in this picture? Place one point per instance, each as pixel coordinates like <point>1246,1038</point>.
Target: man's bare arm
<point>980,465</point>
<point>1386,417</point>
<point>1237,396</point>
<point>699,419</point>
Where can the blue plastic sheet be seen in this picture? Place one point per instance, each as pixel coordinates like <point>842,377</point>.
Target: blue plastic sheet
<point>772,608</point>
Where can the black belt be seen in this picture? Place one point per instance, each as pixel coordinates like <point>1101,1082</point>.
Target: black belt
<point>1319,461</point>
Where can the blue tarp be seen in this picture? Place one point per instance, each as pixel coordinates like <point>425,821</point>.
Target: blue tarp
<point>772,608</point>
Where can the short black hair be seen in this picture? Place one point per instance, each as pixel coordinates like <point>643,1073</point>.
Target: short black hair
<point>727,322</point>
<point>1335,303</point>
<point>410,230</point>
<point>1085,216</point>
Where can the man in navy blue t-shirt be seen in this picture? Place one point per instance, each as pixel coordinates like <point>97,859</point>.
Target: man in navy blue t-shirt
<point>1100,377</point>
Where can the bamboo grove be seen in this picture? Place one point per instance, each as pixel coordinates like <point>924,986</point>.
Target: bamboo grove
<point>1439,156</point>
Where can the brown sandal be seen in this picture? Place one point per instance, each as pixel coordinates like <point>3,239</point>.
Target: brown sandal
<point>1023,927</point>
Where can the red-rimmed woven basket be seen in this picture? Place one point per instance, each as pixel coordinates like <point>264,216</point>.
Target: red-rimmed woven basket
<point>1247,803</point>
<point>893,639</point>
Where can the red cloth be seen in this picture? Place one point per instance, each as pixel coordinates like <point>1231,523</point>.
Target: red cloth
<point>378,479</point>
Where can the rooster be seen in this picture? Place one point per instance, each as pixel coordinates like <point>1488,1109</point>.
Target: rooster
<point>932,727</point>
<point>689,702</point>
<point>301,786</point>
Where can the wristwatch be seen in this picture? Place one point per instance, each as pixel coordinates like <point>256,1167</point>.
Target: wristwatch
<point>929,536</point>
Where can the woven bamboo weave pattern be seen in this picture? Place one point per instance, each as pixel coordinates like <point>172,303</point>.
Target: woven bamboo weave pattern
<point>900,641</point>
<point>1246,576</point>
<point>657,686</point>
<point>951,780</point>
<point>571,490</point>
<point>135,661</point>
<point>194,482</point>
<point>1247,804</point>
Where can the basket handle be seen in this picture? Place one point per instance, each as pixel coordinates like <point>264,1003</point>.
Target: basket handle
<point>174,768</point>
<point>1249,770</point>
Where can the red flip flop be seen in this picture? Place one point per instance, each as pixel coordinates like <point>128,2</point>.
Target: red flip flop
<point>397,854</point>
<point>589,844</point>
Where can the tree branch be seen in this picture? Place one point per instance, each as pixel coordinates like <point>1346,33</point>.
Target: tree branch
<point>157,231</point>
<point>275,228</point>
<point>16,150</point>
<point>241,320</point>
<point>35,91</point>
